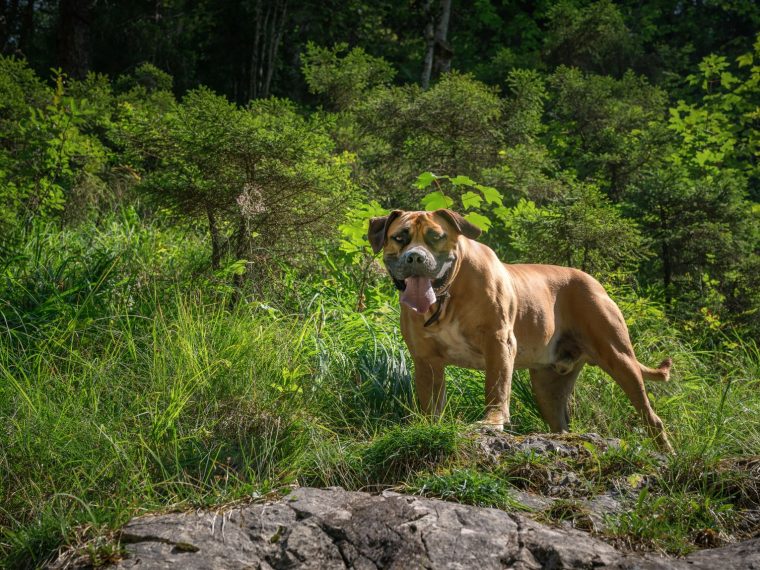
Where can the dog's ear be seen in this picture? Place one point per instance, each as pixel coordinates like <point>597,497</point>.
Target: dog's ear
<point>378,230</point>
<point>463,226</point>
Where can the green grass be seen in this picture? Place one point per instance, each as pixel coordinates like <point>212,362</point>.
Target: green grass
<point>129,383</point>
<point>673,522</point>
<point>468,486</point>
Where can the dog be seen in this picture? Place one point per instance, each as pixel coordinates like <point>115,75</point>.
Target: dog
<point>461,306</point>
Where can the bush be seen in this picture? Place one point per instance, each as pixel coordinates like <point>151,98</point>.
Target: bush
<point>264,181</point>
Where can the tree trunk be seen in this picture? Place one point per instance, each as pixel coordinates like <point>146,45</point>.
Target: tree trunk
<point>438,52</point>
<point>277,28</point>
<point>241,250</point>
<point>74,37</point>
<point>270,16</point>
<point>26,28</point>
<point>216,239</point>
<point>427,64</point>
<point>443,52</point>
<point>5,24</point>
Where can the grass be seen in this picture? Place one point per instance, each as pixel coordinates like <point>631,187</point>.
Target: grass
<point>129,383</point>
<point>469,487</point>
<point>674,522</point>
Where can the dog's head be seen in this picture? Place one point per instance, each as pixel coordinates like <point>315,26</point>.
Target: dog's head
<point>420,249</point>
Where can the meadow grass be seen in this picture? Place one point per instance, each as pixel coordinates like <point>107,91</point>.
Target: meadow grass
<point>124,390</point>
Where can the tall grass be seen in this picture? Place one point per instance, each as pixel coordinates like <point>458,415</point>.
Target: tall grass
<point>129,385</point>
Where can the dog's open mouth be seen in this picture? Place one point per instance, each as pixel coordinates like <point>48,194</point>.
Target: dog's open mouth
<point>418,293</point>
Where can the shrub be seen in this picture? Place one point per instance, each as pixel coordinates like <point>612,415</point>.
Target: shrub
<point>264,179</point>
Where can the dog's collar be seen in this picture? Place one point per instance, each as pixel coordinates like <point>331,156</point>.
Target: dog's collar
<point>442,294</point>
<point>440,301</point>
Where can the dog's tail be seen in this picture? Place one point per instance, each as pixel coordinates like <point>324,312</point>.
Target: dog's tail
<point>660,374</point>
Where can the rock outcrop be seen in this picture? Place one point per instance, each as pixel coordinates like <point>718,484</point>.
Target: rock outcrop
<point>333,528</point>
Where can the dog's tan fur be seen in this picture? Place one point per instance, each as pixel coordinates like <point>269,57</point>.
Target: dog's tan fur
<point>498,317</point>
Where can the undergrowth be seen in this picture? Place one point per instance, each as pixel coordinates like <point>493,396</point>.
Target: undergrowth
<point>130,382</point>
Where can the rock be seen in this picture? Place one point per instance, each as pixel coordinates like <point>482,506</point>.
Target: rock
<point>333,528</point>
<point>496,444</point>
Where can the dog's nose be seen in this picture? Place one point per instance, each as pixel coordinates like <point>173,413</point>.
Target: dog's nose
<point>415,258</point>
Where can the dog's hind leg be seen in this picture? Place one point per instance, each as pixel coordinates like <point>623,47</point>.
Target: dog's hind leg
<point>626,371</point>
<point>552,391</point>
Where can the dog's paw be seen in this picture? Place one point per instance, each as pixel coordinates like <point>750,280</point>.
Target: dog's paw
<point>489,426</point>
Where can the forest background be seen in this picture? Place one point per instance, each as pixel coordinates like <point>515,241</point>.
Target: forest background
<point>189,309</point>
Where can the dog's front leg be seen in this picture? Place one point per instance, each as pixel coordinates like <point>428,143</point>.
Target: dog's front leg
<point>430,383</point>
<point>500,361</point>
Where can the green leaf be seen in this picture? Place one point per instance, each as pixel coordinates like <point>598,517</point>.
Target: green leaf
<point>424,180</point>
<point>745,60</point>
<point>479,220</point>
<point>503,213</point>
<point>471,200</point>
<point>436,200</point>
<point>462,181</point>
<point>492,195</point>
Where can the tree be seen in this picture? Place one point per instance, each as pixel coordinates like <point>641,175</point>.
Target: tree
<point>343,80</point>
<point>74,20</point>
<point>603,128</point>
<point>264,179</point>
<point>400,131</point>
<point>47,152</point>
<point>438,52</point>
<point>594,38</point>
<point>584,229</point>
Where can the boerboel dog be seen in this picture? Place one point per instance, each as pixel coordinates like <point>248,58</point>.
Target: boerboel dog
<point>461,306</point>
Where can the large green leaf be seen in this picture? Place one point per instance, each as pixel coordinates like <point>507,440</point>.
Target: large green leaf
<point>492,195</point>
<point>424,180</point>
<point>471,200</point>
<point>479,220</point>
<point>436,200</point>
<point>462,181</point>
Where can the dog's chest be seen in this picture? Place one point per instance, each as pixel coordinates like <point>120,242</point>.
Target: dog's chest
<point>453,345</point>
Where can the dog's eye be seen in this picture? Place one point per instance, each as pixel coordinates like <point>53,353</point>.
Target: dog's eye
<point>399,239</point>
<point>438,237</point>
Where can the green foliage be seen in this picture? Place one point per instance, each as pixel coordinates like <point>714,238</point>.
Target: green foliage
<point>585,231</point>
<point>720,131</point>
<point>605,128</point>
<point>354,230</point>
<point>525,106</point>
<point>343,80</point>
<point>145,79</point>
<point>594,37</point>
<point>257,175</point>
<point>47,154</point>
<point>451,127</point>
<point>702,227</point>
<point>478,197</point>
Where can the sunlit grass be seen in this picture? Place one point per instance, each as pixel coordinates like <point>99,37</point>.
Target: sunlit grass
<point>123,390</point>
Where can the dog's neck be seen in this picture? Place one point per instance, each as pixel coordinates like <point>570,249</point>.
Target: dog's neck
<point>443,291</point>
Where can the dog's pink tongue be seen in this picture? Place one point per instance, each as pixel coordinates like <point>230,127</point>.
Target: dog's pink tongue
<point>418,294</point>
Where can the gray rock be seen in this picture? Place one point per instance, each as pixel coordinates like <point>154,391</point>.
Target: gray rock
<point>333,528</point>
<point>496,444</point>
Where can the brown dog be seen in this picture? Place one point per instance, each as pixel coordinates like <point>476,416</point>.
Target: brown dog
<point>460,305</point>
